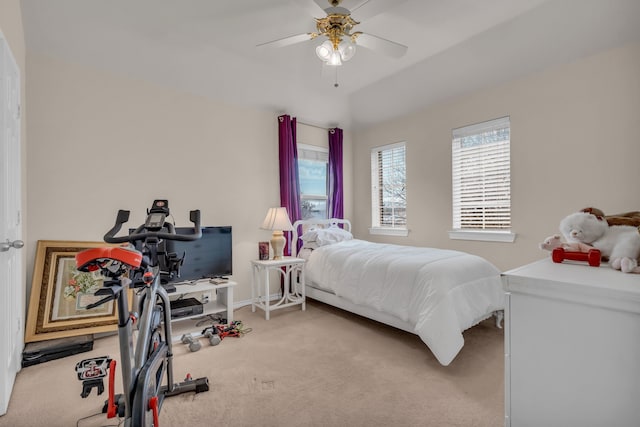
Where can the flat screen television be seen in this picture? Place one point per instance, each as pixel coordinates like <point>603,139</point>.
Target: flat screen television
<point>205,258</point>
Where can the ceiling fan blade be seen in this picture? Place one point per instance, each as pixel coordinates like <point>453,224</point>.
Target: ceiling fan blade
<point>287,41</point>
<point>314,8</point>
<point>320,8</point>
<point>322,4</point>
<point>393,49</point>
<point>370,8</point>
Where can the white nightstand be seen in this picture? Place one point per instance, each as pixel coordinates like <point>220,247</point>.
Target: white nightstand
<point>291,270</point>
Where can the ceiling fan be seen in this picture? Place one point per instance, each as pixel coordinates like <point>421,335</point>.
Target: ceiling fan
<point>337,27</point>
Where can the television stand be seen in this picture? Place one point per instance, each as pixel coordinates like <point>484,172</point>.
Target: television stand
<point>215,298</point>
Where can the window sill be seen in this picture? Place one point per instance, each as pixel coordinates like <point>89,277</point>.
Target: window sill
<point>388,231</point>
<point>487,236</point>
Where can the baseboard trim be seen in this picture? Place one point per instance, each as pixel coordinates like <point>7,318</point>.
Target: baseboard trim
<point>243,303</point>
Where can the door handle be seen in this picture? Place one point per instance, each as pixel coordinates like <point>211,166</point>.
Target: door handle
<point>5,246</point>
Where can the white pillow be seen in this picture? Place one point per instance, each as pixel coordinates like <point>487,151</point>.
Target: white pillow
<point>311,235</point>
<point>331,235</point>
<point>317,237</point>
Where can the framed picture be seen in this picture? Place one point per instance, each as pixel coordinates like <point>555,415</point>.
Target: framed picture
<point>60,295</point>
<point>263,250</point>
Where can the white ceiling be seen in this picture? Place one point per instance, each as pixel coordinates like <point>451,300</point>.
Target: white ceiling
<point>208,47</point>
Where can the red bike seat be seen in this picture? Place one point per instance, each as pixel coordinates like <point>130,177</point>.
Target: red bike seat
<point>90,259</point>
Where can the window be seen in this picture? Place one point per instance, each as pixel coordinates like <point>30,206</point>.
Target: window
<point>389,190</point>
<point>482,181</point>
<point>313,163</point>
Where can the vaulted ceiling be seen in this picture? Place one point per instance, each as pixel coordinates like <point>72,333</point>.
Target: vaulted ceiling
<point>209,47</point>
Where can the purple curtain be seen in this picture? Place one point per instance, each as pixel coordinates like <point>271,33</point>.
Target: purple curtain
<point>336,203</point>
<point>289,180</point>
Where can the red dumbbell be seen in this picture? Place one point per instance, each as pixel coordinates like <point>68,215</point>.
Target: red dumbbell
<point>592,257</point>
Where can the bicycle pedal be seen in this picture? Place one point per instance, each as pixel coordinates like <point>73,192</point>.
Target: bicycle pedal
<point>119,399</point>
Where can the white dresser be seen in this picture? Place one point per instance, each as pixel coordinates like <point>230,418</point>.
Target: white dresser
<point>572,346</point>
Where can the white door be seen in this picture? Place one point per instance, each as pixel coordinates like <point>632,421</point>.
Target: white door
<point>11,257</point>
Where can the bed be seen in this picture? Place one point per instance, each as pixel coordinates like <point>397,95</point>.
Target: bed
<point>433,293</point>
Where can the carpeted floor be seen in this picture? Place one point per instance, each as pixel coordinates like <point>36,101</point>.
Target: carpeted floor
<point>321,367</point>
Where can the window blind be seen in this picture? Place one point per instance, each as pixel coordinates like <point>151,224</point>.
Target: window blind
<point>481,176</point>
<point>310,152</point>
<point>389,204</point>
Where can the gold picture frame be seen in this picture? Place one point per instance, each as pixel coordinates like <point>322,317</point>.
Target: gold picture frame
<point>59,293</point>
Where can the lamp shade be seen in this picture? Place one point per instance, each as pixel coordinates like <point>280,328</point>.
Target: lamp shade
<point>277,219</point>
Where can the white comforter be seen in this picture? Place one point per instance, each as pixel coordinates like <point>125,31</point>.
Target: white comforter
<point>440,292</point>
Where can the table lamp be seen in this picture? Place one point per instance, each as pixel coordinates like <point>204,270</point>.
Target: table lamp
<point>278,221</point>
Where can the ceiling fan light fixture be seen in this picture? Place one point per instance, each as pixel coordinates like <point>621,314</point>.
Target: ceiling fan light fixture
<point>324,51</point>
<point>335,59</point>
<point>338,27</point>
<point>347,49</point>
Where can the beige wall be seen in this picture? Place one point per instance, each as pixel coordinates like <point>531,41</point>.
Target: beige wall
<point>102,143</point>
<point>575,142</point>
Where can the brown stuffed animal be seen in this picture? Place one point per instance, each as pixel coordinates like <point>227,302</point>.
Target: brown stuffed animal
<point>627,218</point>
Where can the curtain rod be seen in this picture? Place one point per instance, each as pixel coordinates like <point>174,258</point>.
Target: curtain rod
<point>310,124</point>
<point>313,126</point>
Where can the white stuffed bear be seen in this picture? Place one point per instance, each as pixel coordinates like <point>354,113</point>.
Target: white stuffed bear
<point>620,243</point>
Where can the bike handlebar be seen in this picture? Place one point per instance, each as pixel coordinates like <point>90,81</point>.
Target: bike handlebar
<point>139,235</point>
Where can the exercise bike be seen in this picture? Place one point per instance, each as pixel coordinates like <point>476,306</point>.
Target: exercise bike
<point>146,362</point>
